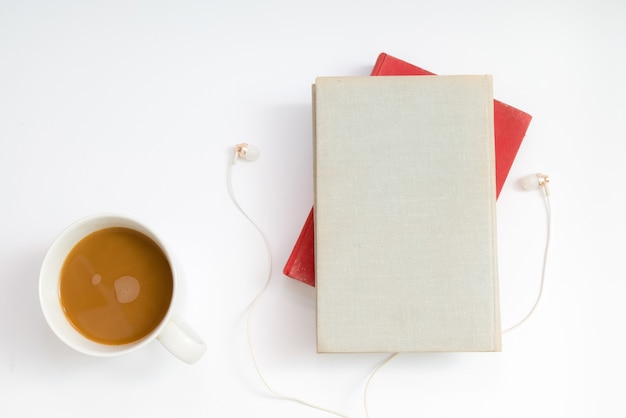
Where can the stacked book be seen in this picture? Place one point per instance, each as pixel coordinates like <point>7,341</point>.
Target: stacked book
<point>401,244</point>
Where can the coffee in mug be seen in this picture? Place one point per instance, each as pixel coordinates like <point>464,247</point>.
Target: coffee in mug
<point>115,286</point>
<point>108,286</point>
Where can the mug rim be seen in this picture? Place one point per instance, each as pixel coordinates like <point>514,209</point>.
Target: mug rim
<point>49,277</point>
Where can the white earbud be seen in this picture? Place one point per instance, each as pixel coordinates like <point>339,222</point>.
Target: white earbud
<point>246,151</point>
<point>536,181</point>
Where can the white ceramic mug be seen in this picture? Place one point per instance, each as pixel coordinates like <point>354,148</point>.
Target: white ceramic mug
<point>172,331</point>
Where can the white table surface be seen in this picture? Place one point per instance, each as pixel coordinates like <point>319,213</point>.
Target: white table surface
<point>134,107</point>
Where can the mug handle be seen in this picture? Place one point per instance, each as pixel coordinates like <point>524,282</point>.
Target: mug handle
<point>182,341</point>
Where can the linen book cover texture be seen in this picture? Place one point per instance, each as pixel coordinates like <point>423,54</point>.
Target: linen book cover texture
<point>510,126</point>
<point>405,227</point>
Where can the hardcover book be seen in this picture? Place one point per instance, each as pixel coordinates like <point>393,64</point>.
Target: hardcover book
<point>510,126</point>
<point>405,226</point>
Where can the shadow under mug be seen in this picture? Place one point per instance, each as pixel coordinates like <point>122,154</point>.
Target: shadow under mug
<point>173,332</point>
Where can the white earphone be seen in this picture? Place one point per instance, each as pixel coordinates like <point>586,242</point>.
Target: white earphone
<point>536,181</point>
<point>246,151</point>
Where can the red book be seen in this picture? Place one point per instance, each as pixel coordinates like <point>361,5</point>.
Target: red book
<point>510,125</point>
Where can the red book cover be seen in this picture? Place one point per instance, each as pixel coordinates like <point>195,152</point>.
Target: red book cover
<point>510,125</point>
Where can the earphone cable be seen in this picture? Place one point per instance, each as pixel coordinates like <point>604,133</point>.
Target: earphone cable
<point>256,299</point>
<point>545,263</point>
<point>367,385</point>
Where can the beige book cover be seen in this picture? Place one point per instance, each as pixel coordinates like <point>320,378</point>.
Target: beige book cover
<point>405,223</point>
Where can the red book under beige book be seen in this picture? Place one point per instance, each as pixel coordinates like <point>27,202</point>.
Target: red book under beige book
<point>405,223</point>
<point>510,126</point>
